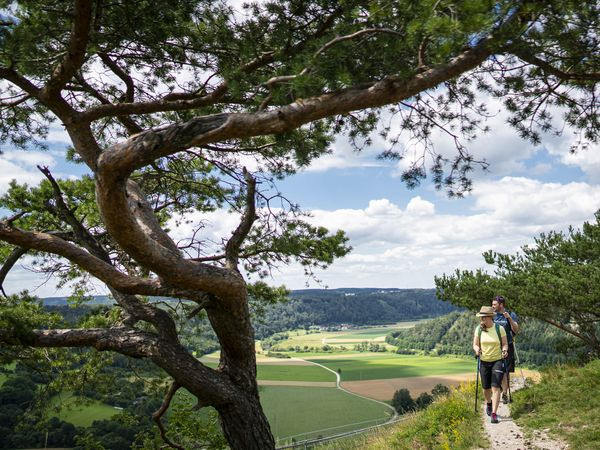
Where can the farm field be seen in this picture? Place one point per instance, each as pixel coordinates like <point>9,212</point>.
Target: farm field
<point>84,414</point>
<point>309,412</point>
<point>289,372</point>
<point>382,366</point>
<point>316,339</point>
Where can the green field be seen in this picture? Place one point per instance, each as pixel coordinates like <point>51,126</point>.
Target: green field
<point>308,412</point>
<point>293,373</point>
<point>81,415</point>
<point>311,339</point>
<point>376,367</point>
<point>280,372</point>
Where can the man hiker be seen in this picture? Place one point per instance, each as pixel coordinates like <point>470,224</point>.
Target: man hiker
<point>509,321</point>
<point>491,347</point>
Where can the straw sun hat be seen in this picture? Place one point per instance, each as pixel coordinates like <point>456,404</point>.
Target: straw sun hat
<point>486,311</point>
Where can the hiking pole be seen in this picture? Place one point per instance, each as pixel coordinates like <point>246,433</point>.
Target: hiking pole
<point>477,383</point>
<point>518,361</point>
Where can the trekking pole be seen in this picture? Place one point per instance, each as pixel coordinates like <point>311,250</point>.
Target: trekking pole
<point>518,361</point>
<point>508,382</point>
<point>477,384</point>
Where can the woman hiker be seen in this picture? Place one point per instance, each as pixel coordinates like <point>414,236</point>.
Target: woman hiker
<point>491,346</point>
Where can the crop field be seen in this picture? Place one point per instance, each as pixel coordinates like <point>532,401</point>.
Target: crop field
<point>317,339</point>
<point>383,366</point>
<point>309,412</point>
<point>289,372</point>
<point>83,414</point>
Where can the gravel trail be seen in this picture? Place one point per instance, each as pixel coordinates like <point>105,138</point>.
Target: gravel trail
<point>508,435</point>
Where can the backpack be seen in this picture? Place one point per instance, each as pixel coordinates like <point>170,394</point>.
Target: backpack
<point>497,326</point>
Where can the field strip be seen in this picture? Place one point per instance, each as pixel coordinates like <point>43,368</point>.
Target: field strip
<point>383,389</point>
<point>297,383</point>
<point>338,385</point>
<point>265,360</point>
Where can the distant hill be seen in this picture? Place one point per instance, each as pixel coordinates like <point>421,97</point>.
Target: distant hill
<point>357,306</point>
<point>62,301</point>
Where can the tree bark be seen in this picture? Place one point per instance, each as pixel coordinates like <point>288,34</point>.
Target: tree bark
<point>244,424</point>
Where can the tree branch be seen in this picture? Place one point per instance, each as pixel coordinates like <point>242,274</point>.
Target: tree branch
<point>159,105</point>
<point>232,248</point>
<point>8,265</point>
<point>156,416</point>
<point>75,52</point>
<point>50,243</point>
<point>127,341</point>
<point>116,69</point>
<point>549,68</point>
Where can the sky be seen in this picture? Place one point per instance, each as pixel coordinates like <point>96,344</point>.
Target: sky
<point>401,238</point>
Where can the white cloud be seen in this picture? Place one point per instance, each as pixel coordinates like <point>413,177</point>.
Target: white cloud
<point>21,166</point>
<point>396,247</point>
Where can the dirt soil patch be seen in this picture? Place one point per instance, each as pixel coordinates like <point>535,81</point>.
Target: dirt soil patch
<point>384,389</point>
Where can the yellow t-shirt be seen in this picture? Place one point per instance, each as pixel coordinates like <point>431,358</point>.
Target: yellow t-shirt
<point>491,348</point>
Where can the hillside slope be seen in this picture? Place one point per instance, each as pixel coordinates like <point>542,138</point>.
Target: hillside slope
<point>538,343</point>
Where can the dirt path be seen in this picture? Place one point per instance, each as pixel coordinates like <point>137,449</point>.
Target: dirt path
<point>508,435</point>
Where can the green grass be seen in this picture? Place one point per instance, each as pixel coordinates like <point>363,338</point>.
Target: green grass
<point>566,401</point>
<point>280,372</point>
<point>301,337</point>
<point>309,412</point>
<point>276,372</point>
<point>8,367</point>
<point>395,366</point>
<point>448,423</point>
<point>81,415</point>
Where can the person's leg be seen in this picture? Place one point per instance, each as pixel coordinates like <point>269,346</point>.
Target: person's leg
<point>486,383</point>
<point>487,393</point>
<point>497,375</point>
<point>495,398</point>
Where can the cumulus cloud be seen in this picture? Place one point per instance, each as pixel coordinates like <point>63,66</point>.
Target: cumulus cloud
<point>21,166</point>
<point>397,246</point>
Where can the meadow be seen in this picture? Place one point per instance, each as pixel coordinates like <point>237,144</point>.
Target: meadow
<point>313,338</point>
<point>386,365</point>
<point>309,412</point>
<point>289,372</point>
<point>80,412</point>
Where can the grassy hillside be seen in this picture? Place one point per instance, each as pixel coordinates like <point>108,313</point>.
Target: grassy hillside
<point>448,423</point>
<point>566,401</point>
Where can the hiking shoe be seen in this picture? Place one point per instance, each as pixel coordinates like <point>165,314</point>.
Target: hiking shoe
<point>505,399</point>
<point>488,409</point>
<point>494,418</point>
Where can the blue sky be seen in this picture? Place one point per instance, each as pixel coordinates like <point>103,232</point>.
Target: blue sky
<point>401,238</point>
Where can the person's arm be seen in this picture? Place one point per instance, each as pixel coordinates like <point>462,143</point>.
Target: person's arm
<point>476,344</point>
<point>504,346</point>
<point>514,326</point>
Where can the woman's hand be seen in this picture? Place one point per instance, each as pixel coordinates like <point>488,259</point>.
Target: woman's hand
<point>477,350</point>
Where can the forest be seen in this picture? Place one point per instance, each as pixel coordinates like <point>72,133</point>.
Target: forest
<point>538,344</point>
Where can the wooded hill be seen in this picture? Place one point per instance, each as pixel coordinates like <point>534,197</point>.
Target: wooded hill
<point>366,306</point>
<point>357,306</point>
<point>537,343</point>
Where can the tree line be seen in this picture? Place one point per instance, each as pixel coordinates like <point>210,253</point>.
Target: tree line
<point>538,343</point>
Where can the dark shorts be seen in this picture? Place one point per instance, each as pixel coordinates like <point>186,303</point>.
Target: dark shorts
<point>510,360</point>
<point>491,373</point>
